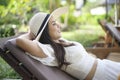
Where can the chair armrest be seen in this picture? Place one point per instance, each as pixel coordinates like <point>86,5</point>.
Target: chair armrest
<point>102,52</point>
<point>36,68</point>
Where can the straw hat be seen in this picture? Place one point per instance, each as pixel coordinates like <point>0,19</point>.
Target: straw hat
<point>41,19</point>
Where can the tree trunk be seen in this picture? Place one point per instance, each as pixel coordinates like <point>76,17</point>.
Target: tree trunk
<point>53,4</point>
<point>118,10</point>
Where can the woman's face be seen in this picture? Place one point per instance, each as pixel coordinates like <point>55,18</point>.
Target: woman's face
<point>54,29</point>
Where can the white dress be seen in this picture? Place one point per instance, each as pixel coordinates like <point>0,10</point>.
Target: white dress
<point>81,62</point>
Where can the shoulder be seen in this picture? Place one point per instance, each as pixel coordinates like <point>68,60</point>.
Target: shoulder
<point>46,48</point>
<point>73,42</point>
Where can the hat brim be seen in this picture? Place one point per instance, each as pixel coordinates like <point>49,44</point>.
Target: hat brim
<point>56,14</point>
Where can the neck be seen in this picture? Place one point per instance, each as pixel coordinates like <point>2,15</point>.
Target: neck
<point>56,41</point>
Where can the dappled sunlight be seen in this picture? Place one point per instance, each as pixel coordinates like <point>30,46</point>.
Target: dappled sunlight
<point>98,11</point>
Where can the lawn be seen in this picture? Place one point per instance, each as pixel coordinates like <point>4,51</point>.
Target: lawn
<point>6,71</point>
<point>86,35</point>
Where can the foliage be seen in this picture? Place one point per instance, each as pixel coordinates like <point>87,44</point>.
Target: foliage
<point>20,10</point>
<point>6,71</point>
<point>87,18</point>
<point>4,2</point>
<point>10,19</point>
<point>86,35</point>
<point>16,9</point>
<point>6,31</point>
<point>84,19</point>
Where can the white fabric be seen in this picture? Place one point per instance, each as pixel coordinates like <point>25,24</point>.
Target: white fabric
<point>81,63</point>
<point>50,60</point>
<point>107,70</point>
<point>76,55</point>
<point>80,60</point>
<point>36,22</point>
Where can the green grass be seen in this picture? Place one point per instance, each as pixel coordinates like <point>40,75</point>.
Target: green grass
<point>6,71</point>
<point>86,35</point>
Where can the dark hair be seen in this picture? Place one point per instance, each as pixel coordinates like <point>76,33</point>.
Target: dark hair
<point>57,47</point>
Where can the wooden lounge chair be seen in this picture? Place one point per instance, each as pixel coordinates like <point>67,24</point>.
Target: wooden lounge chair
<point>27,67</point>
<point>112,37</point>
<point>114,32</point>
<point>31,69</point>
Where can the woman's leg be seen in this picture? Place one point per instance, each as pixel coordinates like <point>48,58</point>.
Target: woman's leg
<point>112,69</point>
<point>107,70</point>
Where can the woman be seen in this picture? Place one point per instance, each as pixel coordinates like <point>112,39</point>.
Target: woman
<point>44,43</point>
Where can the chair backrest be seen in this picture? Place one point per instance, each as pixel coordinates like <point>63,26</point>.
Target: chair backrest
<point>29,68</point>
<point>113,31</point>
<point>3,40</point>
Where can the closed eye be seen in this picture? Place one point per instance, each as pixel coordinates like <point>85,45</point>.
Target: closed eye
<point>54,23</point>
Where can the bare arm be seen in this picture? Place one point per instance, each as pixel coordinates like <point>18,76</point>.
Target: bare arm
<point>28,35</point>
<point>25,42</point>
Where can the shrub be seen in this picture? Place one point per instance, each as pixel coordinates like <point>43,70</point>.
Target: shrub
<point>6,31</point>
